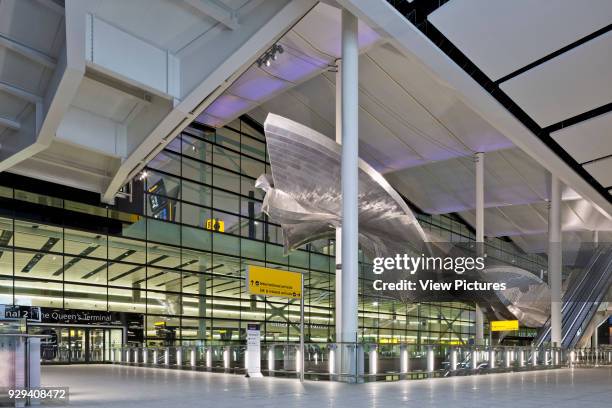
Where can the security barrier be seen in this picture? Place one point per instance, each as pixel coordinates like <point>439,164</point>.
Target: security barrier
<point>373,362</point>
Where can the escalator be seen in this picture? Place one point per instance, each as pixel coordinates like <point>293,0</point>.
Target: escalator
<point>581,300</point>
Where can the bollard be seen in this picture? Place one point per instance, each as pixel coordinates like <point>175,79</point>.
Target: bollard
<point>474,359</point>
<point>403,359</point>
<point>179,356</point>
<point>453,360</point>
<point>521,358</point>
<point>507,356</point>
<point>194,357</point>
<point>145,356</point>
<point>430,359</point>
<point>167,356</point>
<point>373,356</point>
<point>298,361</point>
<point>534,357</point>
<point>226,358</point>
<point>331,363</point>
<point>209,358</point>
<point>271,360</point>
<point>155,361</point>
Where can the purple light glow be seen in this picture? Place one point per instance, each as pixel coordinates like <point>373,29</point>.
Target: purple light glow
<point>226,106</point>
<point>294,69</point>
<point>209,120</point>
<point>256,85</point>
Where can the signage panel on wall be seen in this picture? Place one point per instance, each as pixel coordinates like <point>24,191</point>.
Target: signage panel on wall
<point>15,312</point>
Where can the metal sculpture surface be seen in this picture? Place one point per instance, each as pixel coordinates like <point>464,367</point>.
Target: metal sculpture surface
<point>303,195</point>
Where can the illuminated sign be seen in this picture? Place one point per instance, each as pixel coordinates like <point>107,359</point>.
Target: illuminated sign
<point>504,325</point>
<point>273,282</point>
<point>215,224</point>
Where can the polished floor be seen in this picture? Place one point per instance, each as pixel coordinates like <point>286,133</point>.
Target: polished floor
<point>116,386</point>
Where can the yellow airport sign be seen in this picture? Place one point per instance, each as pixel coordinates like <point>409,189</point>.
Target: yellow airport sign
<point>504,325</point>
<point>215,224</point>
<point>273,282</point>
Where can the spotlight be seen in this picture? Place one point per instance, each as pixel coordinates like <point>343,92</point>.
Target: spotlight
<point>270,55</point>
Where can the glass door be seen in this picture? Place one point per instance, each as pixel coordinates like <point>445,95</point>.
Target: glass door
<point>77,345</point>
<point>96,345</point>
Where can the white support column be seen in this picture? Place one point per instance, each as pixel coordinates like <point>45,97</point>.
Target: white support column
<point>554,259</point>
<point>350,188</point>
<point>479,161</point>
<point>338,361</point>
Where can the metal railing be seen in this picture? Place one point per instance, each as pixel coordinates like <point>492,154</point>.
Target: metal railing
<point>368,361</point>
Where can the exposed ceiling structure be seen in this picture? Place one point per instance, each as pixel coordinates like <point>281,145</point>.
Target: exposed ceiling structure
<point>90,90</point>
<point>310,48</point>
<point>419,130</point>
<point>552,60</point>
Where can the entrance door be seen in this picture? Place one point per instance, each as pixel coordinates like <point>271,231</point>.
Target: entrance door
<point>66,345</point>
<point>96,345</point>
<point>78,348</point>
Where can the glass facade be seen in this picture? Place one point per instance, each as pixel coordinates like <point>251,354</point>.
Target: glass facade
<point>176,248</point>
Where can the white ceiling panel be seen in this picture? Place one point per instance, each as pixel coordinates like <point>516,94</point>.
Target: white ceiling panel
<point>601,170</point>
<point>568,85</point>
<point>501,37</point>
<point>587,140</point>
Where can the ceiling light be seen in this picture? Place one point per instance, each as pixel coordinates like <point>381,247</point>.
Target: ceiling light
<point>270,55</point>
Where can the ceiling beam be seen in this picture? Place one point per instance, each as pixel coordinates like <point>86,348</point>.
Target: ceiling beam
<point>217,11</point>
<point>52,5</point>
<point>28,52</point>
<point>19,93</point>
<point>11,124</point>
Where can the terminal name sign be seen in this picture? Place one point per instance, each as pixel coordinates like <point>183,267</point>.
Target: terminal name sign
<point>504,325</point>
<point>273,282</point>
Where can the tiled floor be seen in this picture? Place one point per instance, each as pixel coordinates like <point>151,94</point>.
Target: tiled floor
<point>117,386</point>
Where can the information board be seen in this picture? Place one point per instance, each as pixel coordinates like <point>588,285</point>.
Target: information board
<point>504,325</point>
<point>273,282</point>
<point>253,350</point>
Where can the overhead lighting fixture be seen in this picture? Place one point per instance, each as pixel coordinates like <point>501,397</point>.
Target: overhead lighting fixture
<point>270,55</point>
<point>143,175</point>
